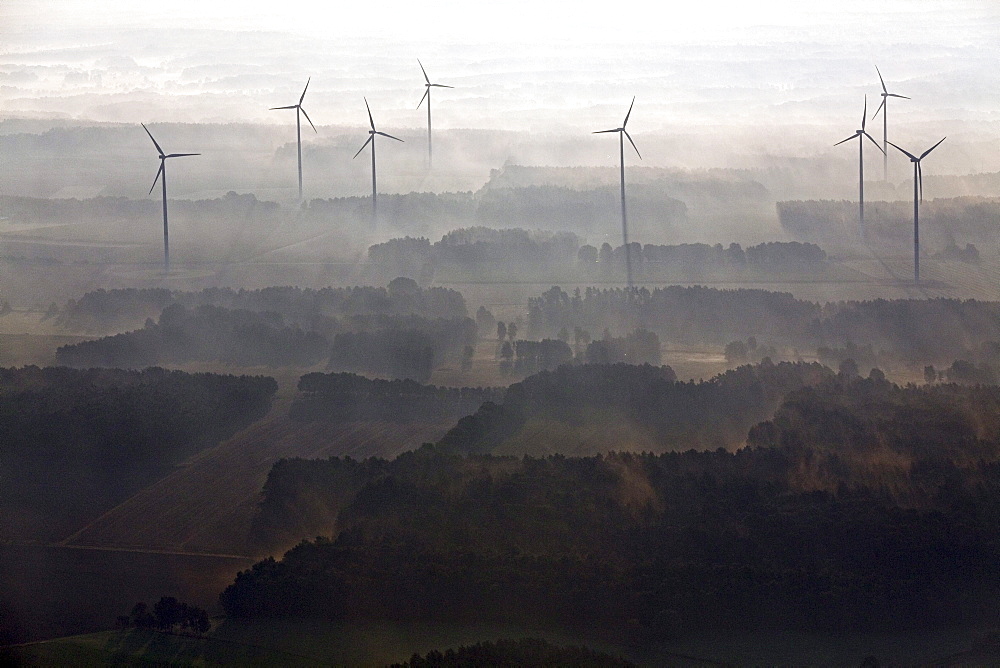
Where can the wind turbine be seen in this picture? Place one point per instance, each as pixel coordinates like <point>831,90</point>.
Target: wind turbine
<point>427,96</point>
<point>884,108</point>
<point>622,133</point>
<point>298,127</point>
<point>918,188</point>
<point>371,140</point>
<point>861,166</point>
<point>162,171</point>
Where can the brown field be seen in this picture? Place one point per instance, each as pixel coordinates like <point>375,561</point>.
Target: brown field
<point>207,505</point>
<point>186,534</point>
<point>28,337</point>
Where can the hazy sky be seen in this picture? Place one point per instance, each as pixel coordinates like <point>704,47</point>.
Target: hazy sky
<point>542,21</point>
<point>764,69</point>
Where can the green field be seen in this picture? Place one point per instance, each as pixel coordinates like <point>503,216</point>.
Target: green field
<point>314,642</point>
<point>143,647</point>
<point>277,643</point>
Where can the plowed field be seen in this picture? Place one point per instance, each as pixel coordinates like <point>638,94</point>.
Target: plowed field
<point>207,505</point>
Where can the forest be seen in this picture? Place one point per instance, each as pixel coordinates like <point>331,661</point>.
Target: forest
<point>944,222</point>
<point>102,311</point>
<point>203,334</point>
<point>934,330</point>
<point>574,410</point>
<point>860,505</point>
<point>346,397</point>
<point>396,346</point>
<point>523,652</point>
<point>638,407</point>
<point>230,209</point>
<point>373,330</point>
<point>74,443</point>
<point>579,210</point>
<point>563,256</point>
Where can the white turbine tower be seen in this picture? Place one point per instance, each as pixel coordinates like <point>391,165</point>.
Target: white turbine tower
<point>371,140</point>
<point>161,175</point>
<point>918,196</point>
<point>859,135</point>
<point>298,127</point>
<point>427,96</point>
<point>884,108</point>
<point>622,134</point>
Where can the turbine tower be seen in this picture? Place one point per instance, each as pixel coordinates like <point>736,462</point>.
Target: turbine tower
<point>427,96</point>
<point>861,167</point>
<point>371,140</point>
<point>622,134</point>
<point>162,172</point>
<point>298,127</point>
<point>918,196</point>
<point>884,108</point>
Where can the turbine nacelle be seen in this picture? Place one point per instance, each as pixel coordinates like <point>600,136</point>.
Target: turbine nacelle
<point>885,93</point>
<point>298,107</point>
<point>858,134</point>
<point>623,131</point>
<point>163,157</point>
<point>622,134</point>
<point>428,85</point>
<point>918,196</point>
<point>372,132</point>
<point>916,161</point>
<point>162,172</point>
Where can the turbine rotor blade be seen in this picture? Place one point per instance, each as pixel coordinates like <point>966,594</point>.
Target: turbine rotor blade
<point>156,178</point>
<point>308,119</point>
<point>389,136</point>
<point>370,137</point>
<point>633,144</point>
<point>629,113</point>
<point>426,78</point>
<point>304,90</point>
<point>881,80</point>
<point>179,155</point>
<point>879,109</point>
<point>151,137</point>
<point>441,86</point>
<point>872,140</point>
<point>426,93</point>
<point>920,180</point>
<point>844,140</point>
<point>899,96</point>
<point>924,154</point>
<point>598,132</point>
<point>908,154</point>
<point>864,114</point>
<point>293,106</point>
<point>370,119</point>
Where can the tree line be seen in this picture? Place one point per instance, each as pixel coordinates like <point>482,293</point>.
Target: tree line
<point>168,614</point>
<point>108,310</point>
<point>484,252</point>
<point>907,329</point>
<point>346,397</point>
<point>647,546</point>
<point>643,406</point>
<point>522,652</point>
<point>945,222</point>
<point>402,346</point>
